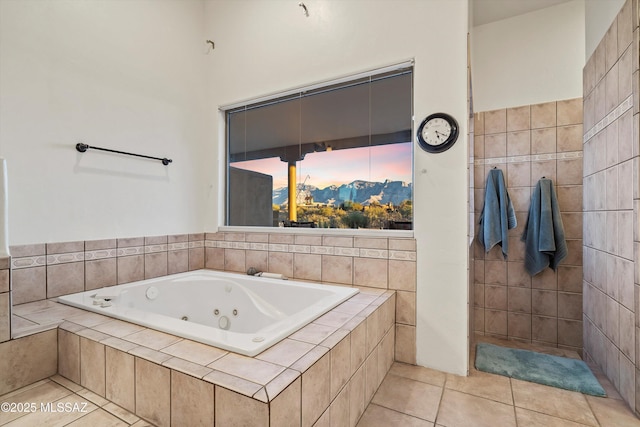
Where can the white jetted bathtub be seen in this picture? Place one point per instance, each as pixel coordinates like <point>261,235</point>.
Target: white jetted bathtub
<point>243,314</point>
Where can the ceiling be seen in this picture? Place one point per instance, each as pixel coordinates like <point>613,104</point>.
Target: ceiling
<point>487,11</point>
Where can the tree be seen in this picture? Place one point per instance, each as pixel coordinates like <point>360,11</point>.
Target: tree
<point>376,215</point>
<point>350,205</point>
<point>406,209</point>
<point>355,219</point>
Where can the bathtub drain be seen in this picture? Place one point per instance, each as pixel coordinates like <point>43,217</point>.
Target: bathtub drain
<point>185,318</point>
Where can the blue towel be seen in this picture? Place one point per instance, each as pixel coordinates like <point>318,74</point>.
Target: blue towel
<point>545,245</point>
<point>498,215</point>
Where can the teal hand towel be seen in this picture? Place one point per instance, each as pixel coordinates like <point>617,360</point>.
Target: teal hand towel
<point>545,244</point>
<point>498,215</point>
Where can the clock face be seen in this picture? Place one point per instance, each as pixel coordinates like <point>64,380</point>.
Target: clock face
<point>437,133</point>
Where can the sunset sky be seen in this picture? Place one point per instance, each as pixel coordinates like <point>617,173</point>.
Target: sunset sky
<point>337,167</point>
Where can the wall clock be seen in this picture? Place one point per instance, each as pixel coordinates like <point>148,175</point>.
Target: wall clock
<point>437,133</point>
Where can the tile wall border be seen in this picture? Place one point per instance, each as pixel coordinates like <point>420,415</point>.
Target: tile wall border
<point>529,158</point>
<point>312,249</point>
<point>614,115</point>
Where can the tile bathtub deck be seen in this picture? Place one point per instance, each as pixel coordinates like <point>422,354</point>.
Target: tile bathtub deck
<point>370,313</point>
<point>270,371</point>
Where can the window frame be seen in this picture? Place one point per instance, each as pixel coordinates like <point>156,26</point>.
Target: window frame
<point>223,152</point>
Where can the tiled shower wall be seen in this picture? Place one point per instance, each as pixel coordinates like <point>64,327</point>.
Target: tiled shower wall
<point>528,143</point>
<point>48,270</point>
<point>611,204</point>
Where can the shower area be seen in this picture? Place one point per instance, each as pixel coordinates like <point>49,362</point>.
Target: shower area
<point>589,147</point>
<point>527,143</point>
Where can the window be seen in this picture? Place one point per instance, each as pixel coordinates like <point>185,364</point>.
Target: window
<point>336,156</point>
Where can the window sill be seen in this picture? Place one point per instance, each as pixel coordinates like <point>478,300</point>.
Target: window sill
<point>319,231</point>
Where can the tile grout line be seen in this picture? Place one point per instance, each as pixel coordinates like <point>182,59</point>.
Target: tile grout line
<point>480,397</point>
<point>444,386</point>
<point>135,386</point>
<point>592,411</point>
<point>556,416</point>
<point>513,400</point>
<point>396,411</point>
<point>560,418</point>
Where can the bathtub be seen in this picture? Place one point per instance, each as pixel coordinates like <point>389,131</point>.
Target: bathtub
<point>243,314</point>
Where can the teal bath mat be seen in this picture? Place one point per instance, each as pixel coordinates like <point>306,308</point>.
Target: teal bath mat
<point>555,371</point>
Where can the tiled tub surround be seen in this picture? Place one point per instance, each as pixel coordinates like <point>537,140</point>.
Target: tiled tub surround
<point>527,143</point>
<point>324,374</point>
<point>43,271</point>
<point>383,267</point>
<point>231,311</point>
<point>612,204</point>
<point>5,299</point>
<point>377,262</point>
<point>27,360</point>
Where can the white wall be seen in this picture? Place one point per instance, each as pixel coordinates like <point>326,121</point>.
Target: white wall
<point>136,76</point>
<point>529,59</point>
<point>127,75</point>
<point>599,14</point>
<point>263,47</point>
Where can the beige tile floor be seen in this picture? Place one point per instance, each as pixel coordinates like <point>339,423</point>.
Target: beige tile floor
<point>409,396</point>
<point>415,396</point>
<point>70,405</point>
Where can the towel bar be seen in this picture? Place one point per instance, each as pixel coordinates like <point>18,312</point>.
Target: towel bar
<point>81,147</point>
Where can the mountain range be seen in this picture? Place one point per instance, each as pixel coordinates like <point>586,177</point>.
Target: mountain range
<point>363,192</point>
